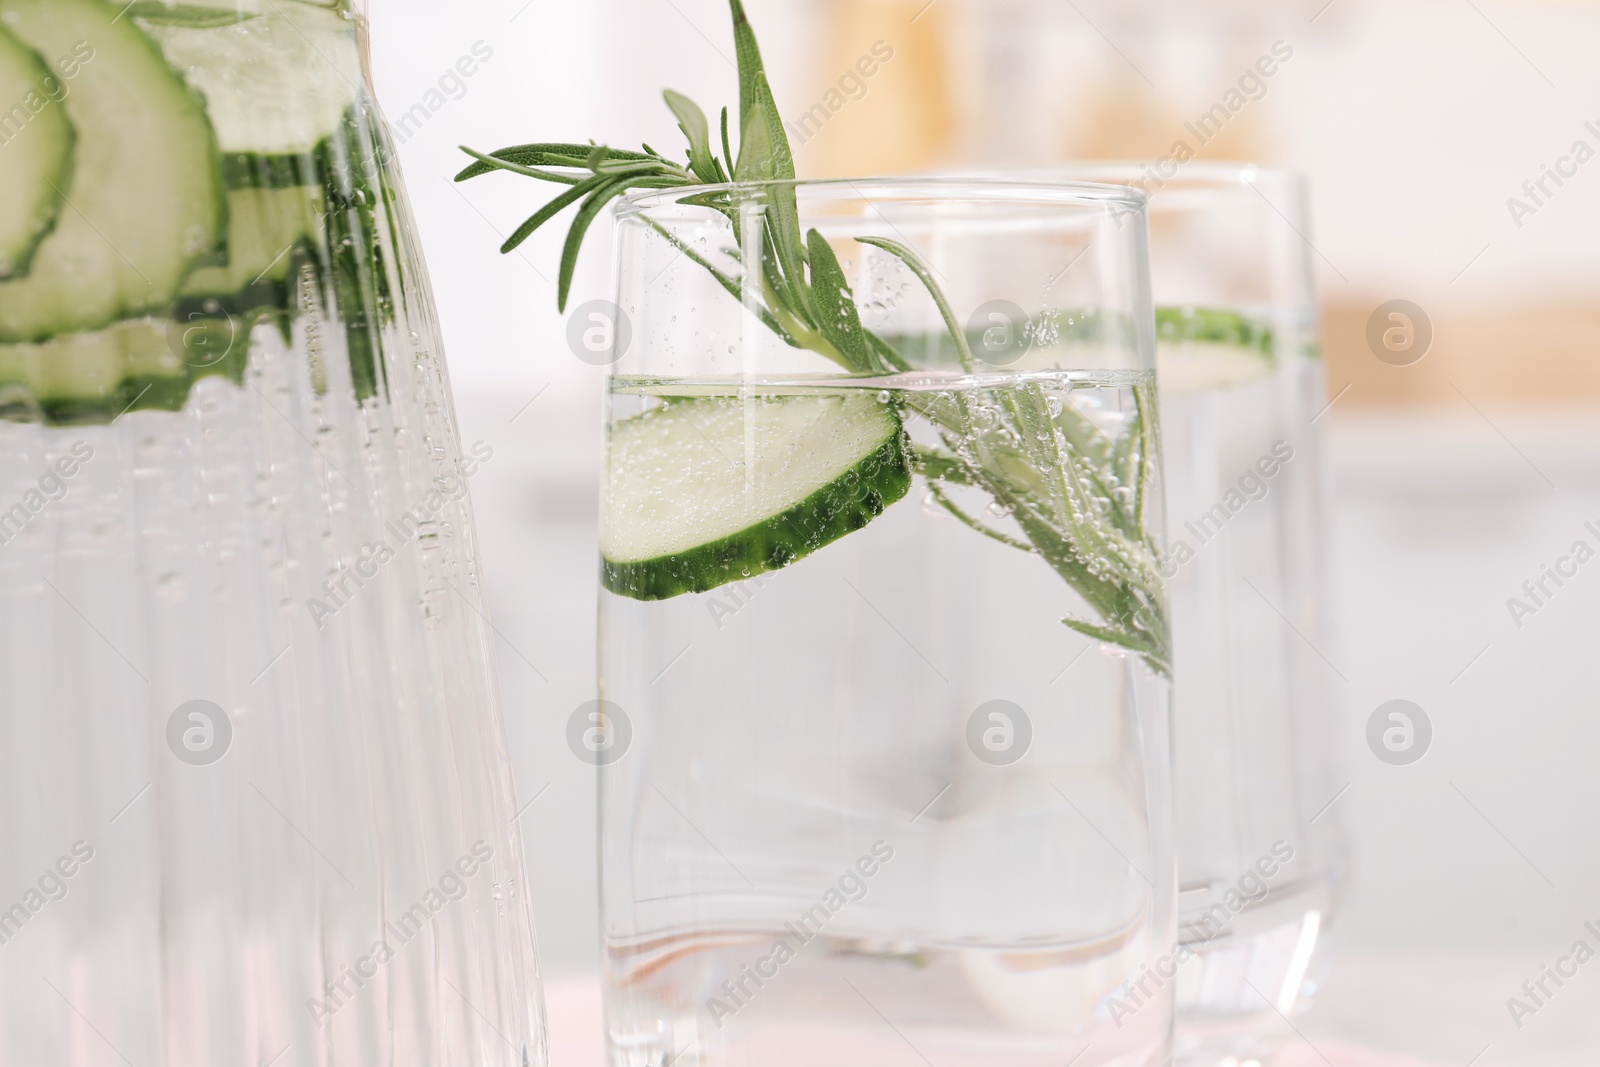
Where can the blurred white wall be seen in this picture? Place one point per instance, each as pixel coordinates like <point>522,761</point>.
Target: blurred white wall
<point>1417,119</point>
<point>1476,865</point>
<point>1421,119</point>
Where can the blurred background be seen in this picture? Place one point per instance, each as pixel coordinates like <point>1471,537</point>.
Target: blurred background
<point>1454,480</point>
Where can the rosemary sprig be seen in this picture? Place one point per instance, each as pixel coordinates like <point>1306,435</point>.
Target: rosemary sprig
<point>1078,496</point>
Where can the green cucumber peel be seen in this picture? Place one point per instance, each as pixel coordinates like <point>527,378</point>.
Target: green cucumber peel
<point>860,482</point>
<point>36,159</point>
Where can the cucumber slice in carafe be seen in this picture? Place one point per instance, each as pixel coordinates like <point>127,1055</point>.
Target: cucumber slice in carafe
<point>277,82</point>
<point>91,378</point>
<point>145,201</point>
<point>228,169</point>
<point>35,150</point>
<point>708,490</point>
<point>265,227</point>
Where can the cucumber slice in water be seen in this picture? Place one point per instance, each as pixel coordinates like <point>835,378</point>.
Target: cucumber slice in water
<point>139,364</point>
<point>277,83</point>
<point>265,226</point>
<point>145,203</point>
<point>1213,325</point>
<point>35,152</point>
<point>708,490</point>
<point>1203,348</point>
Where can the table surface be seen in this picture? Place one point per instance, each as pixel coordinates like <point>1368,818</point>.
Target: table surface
<point>576,1035</point>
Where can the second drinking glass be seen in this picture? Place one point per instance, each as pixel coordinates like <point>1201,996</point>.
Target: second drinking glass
<point>883,636</point>
<point>1261,855</point>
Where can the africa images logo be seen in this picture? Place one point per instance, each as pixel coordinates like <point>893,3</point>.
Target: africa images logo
<point>199,732</point>
<point>452,886</point>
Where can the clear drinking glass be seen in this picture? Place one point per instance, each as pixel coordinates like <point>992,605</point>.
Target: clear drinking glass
<point>257,806</point>
<point>1257,704</point>
<point>863,795</point>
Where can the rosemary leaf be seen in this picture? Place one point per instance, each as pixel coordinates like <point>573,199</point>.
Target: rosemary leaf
<point>491,164</point>
<point>942,498</point>
<point>937,466</point>
<point>1114,637</point>
<point>591,207</point>
<point>549,211</point>
<point>837,317</point>
<point>553,154</point>
<point>886,352</point>
<point>925,275</point>
<point>692,121</point>
<point>754,93</point>
<point>757,157</point>
<point>782,251</point>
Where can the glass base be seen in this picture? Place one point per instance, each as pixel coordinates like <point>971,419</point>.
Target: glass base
<point>852,1002</point>
<point>1238,991</point>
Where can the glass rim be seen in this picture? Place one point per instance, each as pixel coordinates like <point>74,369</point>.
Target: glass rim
<point>1213,171</point>
<point>1141,174</point>
<point>997,189</point>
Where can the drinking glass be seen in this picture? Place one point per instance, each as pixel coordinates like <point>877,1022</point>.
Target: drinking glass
<point>883,732</point>
<point>255,800</point>
<point>1259,696</point>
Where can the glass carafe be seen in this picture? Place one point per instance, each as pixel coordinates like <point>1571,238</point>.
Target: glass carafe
<point>257,803</point>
